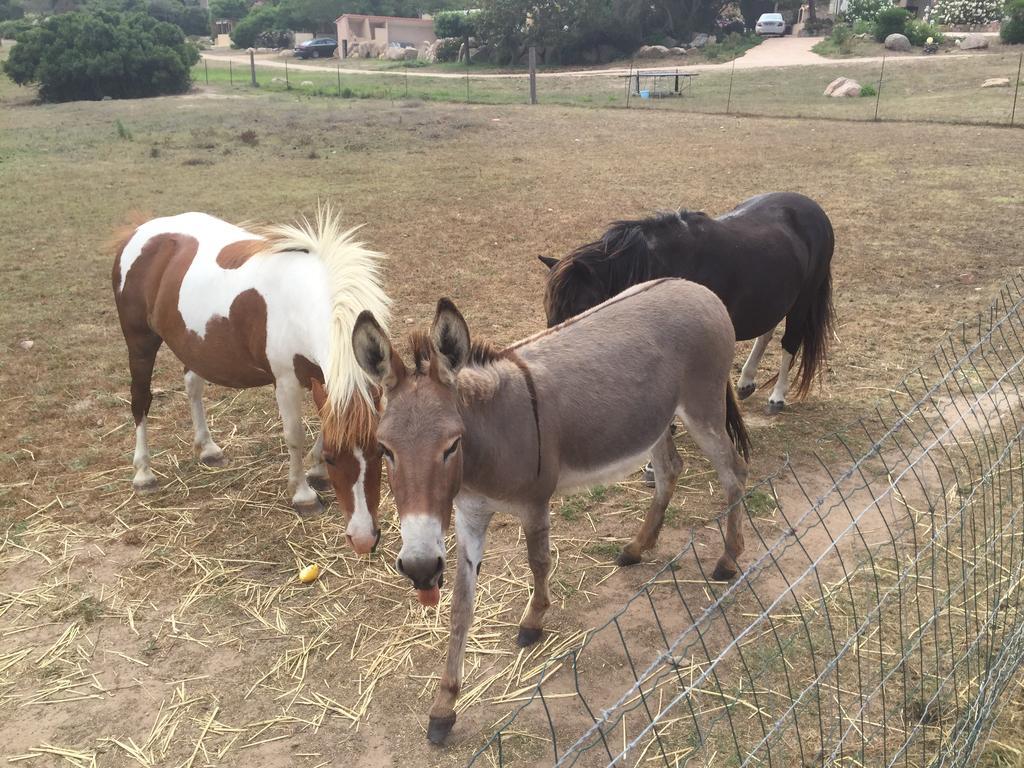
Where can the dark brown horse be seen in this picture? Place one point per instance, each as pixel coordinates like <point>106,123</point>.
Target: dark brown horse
<point>768,259</point>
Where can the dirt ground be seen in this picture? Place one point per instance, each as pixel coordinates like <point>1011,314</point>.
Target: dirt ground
<point>170,629</point>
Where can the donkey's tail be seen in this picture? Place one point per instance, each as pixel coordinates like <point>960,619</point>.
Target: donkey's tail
<point>817,329</point>
<point>734,425</point>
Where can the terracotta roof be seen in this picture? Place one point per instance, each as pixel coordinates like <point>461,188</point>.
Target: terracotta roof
<point>382,18</point>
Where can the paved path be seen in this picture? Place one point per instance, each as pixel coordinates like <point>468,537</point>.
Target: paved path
<point>772,53</point>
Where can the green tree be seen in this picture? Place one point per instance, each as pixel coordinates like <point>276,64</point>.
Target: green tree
<point>258,21</point>
<point>1012,29</point>
<point>10,10</point>
<point>89,55</point>
<point>229,9</point>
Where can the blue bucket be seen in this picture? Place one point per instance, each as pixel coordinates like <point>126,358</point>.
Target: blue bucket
<point>645,94</point>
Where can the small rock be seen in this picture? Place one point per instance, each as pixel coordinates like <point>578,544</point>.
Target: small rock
<point>279,80</point>
<point>26,344</point>
<point>996,82</point>
<point>973,42</point>
<point>897,42</point>
<point>699,40</point>
<point>286,53</point>
<point>306,83</point>
<point>677,51</point>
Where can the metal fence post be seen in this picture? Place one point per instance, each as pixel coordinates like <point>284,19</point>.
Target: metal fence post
<point>533,74</point>
<point>728,100</point>
<point>287,82</point>
<point>231,74</point>
<point>206,69</point>
<point>339,76</point>
<point>467,78</point>
<point>878,95</point>
<point>252,67</point>
<point>1016,88</point>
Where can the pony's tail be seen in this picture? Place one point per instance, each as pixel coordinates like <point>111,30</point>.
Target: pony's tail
<point>734,425</point>
<point>818,327</point>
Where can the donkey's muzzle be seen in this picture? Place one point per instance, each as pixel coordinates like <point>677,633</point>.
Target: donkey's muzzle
<point>424,573</point>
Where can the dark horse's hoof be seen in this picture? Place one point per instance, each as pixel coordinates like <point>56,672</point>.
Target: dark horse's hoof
<point>745,391</point>
<point>774,407</point>
<point>723,574</point>
<point>439,728</point>
<point>528,636</point>
<point>625,559</point>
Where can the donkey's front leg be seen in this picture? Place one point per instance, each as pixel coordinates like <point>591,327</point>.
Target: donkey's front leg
<point>289,401</point>
<point>536,526</point>
<point>471,521</point>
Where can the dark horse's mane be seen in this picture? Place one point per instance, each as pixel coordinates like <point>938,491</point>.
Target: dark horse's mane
<point>622,257</point>
<point>480,352</point>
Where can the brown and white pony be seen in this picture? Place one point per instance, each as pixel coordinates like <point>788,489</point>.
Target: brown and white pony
<point>244,309</point>
<point>571,407</point>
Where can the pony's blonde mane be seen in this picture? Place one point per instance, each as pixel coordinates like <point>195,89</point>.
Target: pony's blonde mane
<point>349,415</point>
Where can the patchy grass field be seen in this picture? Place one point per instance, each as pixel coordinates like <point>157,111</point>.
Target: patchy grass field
<point>170,629</point>
<point>943,89</point>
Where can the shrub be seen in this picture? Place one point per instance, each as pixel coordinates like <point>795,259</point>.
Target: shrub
<point>1012,29</point>
<point>918,32</point>
<point>9,30</point>
<point>819,26</point>
<point>275,38</point>
<point>262,20</point>
<point>448,49</point>
<point>842,37</point>
<point>92,55</point>
<point>864,27</point>
<point>890,21</point>
<point>868,90</point>
<point>456,23</point>
<point>865,10</point>
<point>965,12</point>
<point>9,9</point>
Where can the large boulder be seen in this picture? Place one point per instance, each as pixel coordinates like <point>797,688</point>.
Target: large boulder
<point>996,82</point>
<point>849,89</point>
<point>837,83</point>
<point>843,88</point>
<point>897,42</point>
<point>428,52</point>
<point>411,54</point>
<point>652,52</point>
<point>973,42</point>
<point>677,51</point>
<point>394,53</point>
<point>699,40</point>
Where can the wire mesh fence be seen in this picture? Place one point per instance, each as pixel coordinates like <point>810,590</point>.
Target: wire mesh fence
<point>878,618</point>
<point>937,89</point>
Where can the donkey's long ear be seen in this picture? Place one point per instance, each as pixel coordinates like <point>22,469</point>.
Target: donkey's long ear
<point>450,336</point>
<point>548,261</point>
<point>374,353</point>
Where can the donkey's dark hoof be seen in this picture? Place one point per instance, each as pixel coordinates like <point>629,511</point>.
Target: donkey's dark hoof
<point>774,407</point>
<point>144,487</point>
<point>625,559</point>
<point>439,728</point>
<point>317,482</point>
<point>528,636</point>
<point>722,573</point>
<point>745,391</point>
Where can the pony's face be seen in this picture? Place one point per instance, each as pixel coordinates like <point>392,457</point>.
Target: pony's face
<point>355,476</point>
<point>420,434</point>
<point>572,288</point>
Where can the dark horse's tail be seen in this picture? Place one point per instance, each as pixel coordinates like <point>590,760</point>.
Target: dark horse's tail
<point>734,425</point>
<point>817,325</point>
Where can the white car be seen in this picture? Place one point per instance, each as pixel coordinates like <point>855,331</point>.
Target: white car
<point>770,24</point>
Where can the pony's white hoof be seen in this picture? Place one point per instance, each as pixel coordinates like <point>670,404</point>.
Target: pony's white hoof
<point>308,508</point>
<point>649,475</point>
<point>745,391</point>
<point>775,407</point>
<point>213,458</point>
<point>318,482</point>
<point>145,482</point>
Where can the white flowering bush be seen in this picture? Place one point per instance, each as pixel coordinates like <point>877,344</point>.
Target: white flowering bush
<point>965,12</point>
<point>864,10</point>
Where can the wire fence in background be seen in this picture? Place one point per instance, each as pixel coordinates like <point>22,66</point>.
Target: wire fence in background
<point>943,88</point>
<point>877,621</point>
